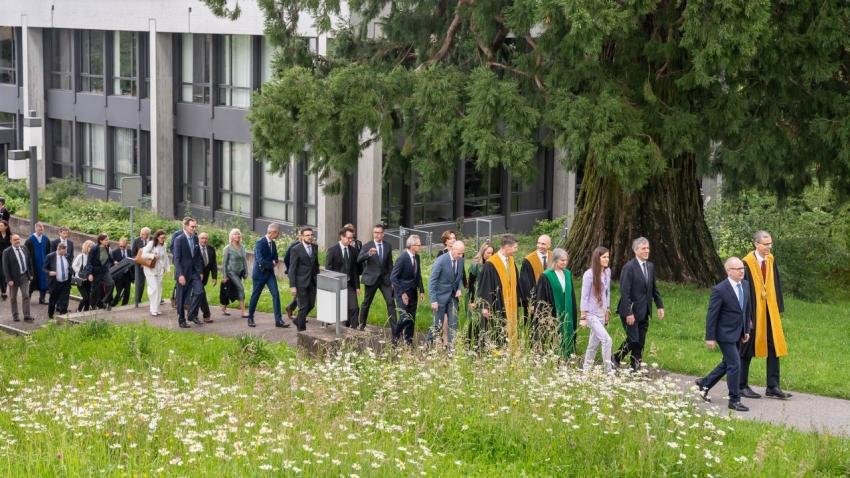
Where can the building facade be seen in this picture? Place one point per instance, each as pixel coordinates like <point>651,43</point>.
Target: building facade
<point>162,89</point>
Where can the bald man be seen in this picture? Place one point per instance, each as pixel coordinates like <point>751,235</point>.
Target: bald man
<point>532,266</point>
<point>445,285</point>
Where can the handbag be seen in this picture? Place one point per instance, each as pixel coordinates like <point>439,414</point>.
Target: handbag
<point>144,262</point>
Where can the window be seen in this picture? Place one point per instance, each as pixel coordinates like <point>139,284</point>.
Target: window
<point>8,53</point>
<point>235,177</point>
<point>126,52</point>
<point>125,159</point>
<point>482,191</point>
<point>197,50</point>
<point>235,74</point>
<point>310,198</point>
<point>197,171</point>
<point>63,160</point>
<point>94,154</point>
<point>531,196</point>
<point>60,65</point>
<point>267,52</point>
<point>8,120</point>
<point>278,195</point>
<point>91,67</point>
<point>434,206</point>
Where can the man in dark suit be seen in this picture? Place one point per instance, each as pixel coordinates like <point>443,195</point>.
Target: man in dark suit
<point>63,239</point>
<point>188,267</point>
<point>637,289</point>
<point>58,270</point>
<point>445,286</point>
<point>138,244</point>
<point>303,269</point>
<point>727,322</point>
<point>343,259</point>
<point>377,261</point>
<point>124,278</point>
<point>171,244</point>
<point>406,279</point>
<point>265,260</point>
<point>290,308</point>
<point>18,271</point>
<point>210,269</point>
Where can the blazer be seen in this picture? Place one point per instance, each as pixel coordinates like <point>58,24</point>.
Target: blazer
<point>635,291</point>
<point>138,244</point>
<point>117,257</point>
<point>211,269</point>
<point>406,278</point>
<point>334,262</point>
<point>725,320</point>
<point>303,268</point>
<point>443,281</point>
<point>69,253</point>
<point>187,263</point>
<point>374,269</point>
<point>265,256</point>
<point>50,266</point>
<point>11,268</point>
<point>94,266</point>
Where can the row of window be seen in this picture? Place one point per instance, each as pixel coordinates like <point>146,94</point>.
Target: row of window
<point>104,55</point>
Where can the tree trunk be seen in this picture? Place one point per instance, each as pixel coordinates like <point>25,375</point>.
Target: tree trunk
<point>668,212</point>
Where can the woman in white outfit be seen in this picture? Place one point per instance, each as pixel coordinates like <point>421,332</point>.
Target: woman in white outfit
<point>154,275</point>
<point>80,268</point>
<point>595,307</point>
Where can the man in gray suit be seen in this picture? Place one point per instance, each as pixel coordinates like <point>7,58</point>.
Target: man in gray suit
<point>19,271</point>
<point>445,286</point>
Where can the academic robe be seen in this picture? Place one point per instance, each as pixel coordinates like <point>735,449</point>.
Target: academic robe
<point>38,252</point>
<point>550,298</point>
<point>764,309</point>
<point>500,297</point>
<point>530,272</point>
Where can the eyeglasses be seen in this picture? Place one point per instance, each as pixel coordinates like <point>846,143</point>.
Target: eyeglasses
<point>765,243</point>
<point>736,268</point>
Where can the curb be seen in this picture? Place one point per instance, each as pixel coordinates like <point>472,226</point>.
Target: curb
<point>12,330</point>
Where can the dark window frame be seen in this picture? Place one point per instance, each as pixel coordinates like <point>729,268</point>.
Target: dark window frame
<point>56,159</point>
<point>228,189</point>
<point>117,77</point>
<point>225,85</point>
<point>57,76</point>
<point>206,87</point>
<point>186,185</point>
<point>88,79</point>
<point>10,73</point>
<point>136,164</point>
<point>88,170</point>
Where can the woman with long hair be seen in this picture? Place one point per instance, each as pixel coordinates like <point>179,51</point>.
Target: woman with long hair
<point>555,302</point>
<point>475,267</point>
<point>234,271</point>
<point>5,243</point>
<point>155,249</point>
<point>97,268</point>
<point>595,306</point>
<point>80,268</point>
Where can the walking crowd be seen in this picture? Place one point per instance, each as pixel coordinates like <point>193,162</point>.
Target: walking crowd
<point>743,318</point>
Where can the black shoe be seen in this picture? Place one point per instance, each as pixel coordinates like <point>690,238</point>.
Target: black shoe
<point>184,325</point>
<point>197,321</point>
<point>748,392</point>
<point>738,407</point>
<point>43,302</point>
<point>108,307</point>
<point>362,327</point>
<point>251,323</point>
<point>29,319</point>
<point>281,325</point>
<point>776,392</point>
<point>16,319</point>
<point>5,296</point>
<point>703,391</point>
<point>289,313</point>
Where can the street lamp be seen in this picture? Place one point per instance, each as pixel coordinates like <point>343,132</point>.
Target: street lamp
<point>17,163</point>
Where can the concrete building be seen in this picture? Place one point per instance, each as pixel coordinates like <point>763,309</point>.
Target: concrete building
<point>162,89</point>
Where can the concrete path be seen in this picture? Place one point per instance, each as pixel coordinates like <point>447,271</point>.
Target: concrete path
<point>803,411</point>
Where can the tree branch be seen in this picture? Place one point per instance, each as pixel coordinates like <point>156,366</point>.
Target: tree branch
<point>450,36</point>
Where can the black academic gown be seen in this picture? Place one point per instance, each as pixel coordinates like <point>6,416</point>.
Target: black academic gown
<point>527,283</point>
<point>748,348</point>
<point>544,303</point>
<point>489,296</point>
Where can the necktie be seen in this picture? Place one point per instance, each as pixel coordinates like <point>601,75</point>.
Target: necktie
<point>380,252</point>
<point>309,250</point>
<point>204,253</point>
<point>454,266</point>
<point>123,253</point>
<point>413,261</point>
<point>764,269</point>
<point>645,274</point>
<point>508,271</point>
<point>272,248</point>
<point>21,261</point>
<point>61,271</point>
<point>740,296</point>
<point>345,258</point>
<point>191,245</point>
<point>544,262</point>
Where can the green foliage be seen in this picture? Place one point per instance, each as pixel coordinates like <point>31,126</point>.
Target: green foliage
<point>138,342</point>
<point>16,193</point>
<point>254,350</point>
<point>95,329</point>
<point>554,228</point>
<point>810,238</point>
<point>60,190</point>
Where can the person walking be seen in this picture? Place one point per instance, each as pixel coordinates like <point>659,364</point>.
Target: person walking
<point>18,271</point>
<point>64,232</point>
<point>343,259</point>
<point>5,243</point>
<point>155,250</point>
<point>554,302</point>
<point>596,307</point>
<point>498,296</point>
<point>533,265</point>
<point>234,270</point>
<point>138,244</point>
<point>125,277</point>
<point>97,270</point>
<point>83,287</point>
<point>475,267</point>
<point>445,287</point>
<point>303,270</point>
<point>408,289</point>
<point>208,257</point>
<point>377,262</point>
<point>263,275</point>
<point>726,324</point>
<point>59,271</point>
<point>38,245</point>
<point>188,268</point>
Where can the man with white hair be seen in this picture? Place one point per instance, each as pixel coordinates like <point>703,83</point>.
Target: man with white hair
<point>265,260</point>
<point>445,286</point>
<point>139,243</point>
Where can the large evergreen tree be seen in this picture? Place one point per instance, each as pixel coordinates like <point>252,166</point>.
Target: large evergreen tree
<point>647,95</point>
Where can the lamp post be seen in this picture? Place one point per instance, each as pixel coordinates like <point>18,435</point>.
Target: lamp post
<point>17,170</point>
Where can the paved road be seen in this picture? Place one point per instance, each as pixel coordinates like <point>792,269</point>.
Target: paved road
<point>803,411</point>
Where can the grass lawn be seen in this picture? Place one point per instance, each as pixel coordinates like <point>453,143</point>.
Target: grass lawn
<point>99,399</point>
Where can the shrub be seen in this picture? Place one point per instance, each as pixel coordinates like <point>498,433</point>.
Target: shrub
<point>553,228</point>
<point>254,350</point>
<point>95,329</point>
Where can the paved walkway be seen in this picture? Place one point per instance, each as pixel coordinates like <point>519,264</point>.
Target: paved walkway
<point>802,411</point>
